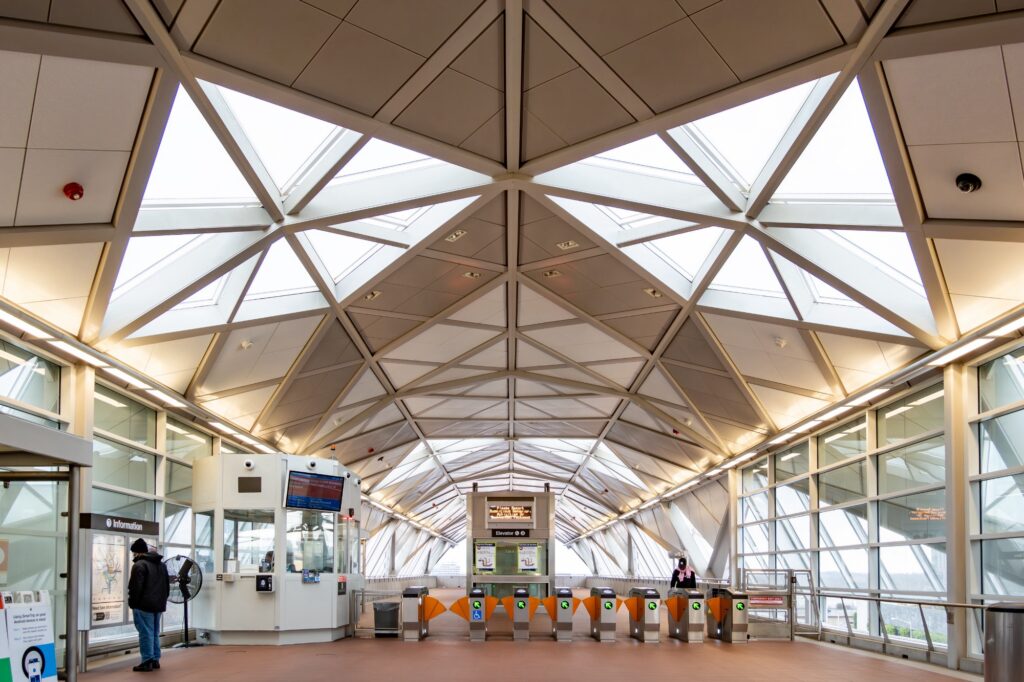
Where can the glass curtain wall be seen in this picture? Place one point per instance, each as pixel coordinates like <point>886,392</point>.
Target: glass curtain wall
<point>862,506</point>
<point>143,470</point>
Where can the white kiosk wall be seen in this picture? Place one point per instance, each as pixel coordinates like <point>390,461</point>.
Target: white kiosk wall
<point>256,538</point>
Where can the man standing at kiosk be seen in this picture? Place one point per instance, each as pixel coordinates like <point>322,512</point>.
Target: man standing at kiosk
<point>148,589</point>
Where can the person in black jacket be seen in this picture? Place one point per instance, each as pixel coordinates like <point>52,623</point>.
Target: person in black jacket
<point>148,589</point>
<point>684,576</point>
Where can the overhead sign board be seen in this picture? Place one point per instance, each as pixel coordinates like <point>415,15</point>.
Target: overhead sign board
<point>509,512</point>
<point>510,532</point>
<point>119,524</point>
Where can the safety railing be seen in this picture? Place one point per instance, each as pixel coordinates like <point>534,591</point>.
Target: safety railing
<point>892,633</point>
<point>786,591</point>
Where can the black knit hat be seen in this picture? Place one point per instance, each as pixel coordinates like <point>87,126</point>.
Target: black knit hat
<point>140,546</point>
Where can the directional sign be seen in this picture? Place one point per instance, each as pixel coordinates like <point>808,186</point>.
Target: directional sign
<point>608,606</point>
<point>520,604</point>
<point>652,606</point>
<point>695,606</point>
<point>476,615</point>
<point>477,604</point>
<point>564,603</point>
<point>740,606</point>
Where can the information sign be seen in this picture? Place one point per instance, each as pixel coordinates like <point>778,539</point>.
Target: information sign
<point>108,579</point>
<point>30,636</point>
<point>528,557</point>
<point>509,512</point>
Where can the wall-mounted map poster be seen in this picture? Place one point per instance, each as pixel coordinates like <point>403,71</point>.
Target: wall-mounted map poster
<point>108,579</point>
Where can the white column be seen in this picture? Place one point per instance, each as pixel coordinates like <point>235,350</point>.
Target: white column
<point>957,494</point>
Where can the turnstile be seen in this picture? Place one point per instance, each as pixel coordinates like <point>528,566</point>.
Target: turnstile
<point>520,613</point>
<point>727,615</point>
<point>477,615</point>
<point>686,615</point>
<point>561,619</point>
<point>602,615</point>
<point>644,619</point>
<point>414,620</point>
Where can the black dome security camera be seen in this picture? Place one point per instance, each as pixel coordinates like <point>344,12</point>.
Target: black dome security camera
<point>968,182</point>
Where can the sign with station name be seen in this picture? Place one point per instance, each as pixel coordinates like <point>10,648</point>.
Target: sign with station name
<point>510,532</point>
<point>119,524</point>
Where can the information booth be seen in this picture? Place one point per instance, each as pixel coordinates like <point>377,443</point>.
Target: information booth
<point>280,549</point>
<point>511,543</point>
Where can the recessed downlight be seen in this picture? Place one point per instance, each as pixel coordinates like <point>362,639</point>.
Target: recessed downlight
<point>653,293</point>
<point>373,295</point>
<point>567,244</point>
<point>552,273</point>
<point>455,236</point>
<point>471,274</point>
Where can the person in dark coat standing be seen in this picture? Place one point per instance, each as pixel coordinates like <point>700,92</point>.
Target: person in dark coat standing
<point>684,576</point>
<point>148,589</point>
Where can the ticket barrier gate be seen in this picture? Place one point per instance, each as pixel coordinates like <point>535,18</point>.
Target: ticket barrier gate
<point>644,618</point>
<point>520,608</point>
<point>476,609</point>
<point>727,615</point>
<point>686,611</point>
<point>561,606</point>
<point>418,607</point>
<point>602,605</point>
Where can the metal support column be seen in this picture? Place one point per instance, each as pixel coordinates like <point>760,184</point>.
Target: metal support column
<point>957,494</point>
<point>71,651</point>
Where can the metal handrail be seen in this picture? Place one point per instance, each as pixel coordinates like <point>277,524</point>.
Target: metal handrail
<point>895,600</point>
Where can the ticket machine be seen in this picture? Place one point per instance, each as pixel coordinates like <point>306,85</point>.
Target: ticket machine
<point>686,610</point>
<point>644,619</point>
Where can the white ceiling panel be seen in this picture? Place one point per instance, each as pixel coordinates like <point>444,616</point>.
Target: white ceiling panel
<point>254,354</point>
<point>441,343</point>
<point>60,296</point>
<point>984,278</point>
<point>242,408</point>
<point>11,161</point>
<point>861,361</point>
<point>82,104</point>
<point>172,363</point>
<point>18,74</point>
<point>535,309</point>
<point>488,309</point>
<point>402,373</point>
<point>42,201</point>
<point>997,164</point>
<point>582,343</point>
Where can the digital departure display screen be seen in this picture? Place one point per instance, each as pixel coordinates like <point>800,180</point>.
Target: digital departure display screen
<point>314,491</point>
<point>509,512</point>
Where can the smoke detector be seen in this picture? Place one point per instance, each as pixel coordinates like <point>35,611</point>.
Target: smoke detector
<point>74,191</point>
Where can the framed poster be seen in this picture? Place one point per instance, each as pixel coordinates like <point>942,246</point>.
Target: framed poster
<point>528,557</point>
<point>109,579</point>
<point>5,651</point>
<point>485,557</point>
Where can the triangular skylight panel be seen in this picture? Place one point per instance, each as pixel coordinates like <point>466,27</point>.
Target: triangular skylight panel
<point>208,295</point>
<point>649,156</point>
<point>898,258</point>
<point>340,253</point>
<point>281,273</point>
<point>146,253</point>
<point>191,165</point>
<point>842,161</point>
<point>742,139</point>
<point>747,271</point>
<point>688,251</point>
<point>285,140</point>
<point>378,157</point>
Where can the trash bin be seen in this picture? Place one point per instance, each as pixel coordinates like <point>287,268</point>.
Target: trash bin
<point>1004,642</point>
<point>385,619</point>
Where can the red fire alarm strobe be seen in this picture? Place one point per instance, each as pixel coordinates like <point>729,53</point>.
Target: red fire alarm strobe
<point>74,191</point>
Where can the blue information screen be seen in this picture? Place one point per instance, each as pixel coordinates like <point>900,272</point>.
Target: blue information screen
<point>314,491</point>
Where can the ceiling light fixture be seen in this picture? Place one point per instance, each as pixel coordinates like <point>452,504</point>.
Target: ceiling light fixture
<point>78,353</point>
<point>653,293</point>
<point>125,377</point>
<point>470,274</point>
<point>24,326</point>
<point>552,273</point>
<point>165,398</point>
<point>455,236</point>
<point>372,296</point>
<point>567,244</point>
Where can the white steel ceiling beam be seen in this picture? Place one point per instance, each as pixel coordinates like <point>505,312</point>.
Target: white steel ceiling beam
<point>77,43</point>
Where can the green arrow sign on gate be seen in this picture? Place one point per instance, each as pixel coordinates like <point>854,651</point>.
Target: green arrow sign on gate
<point>695,606</point>
<point>564,603</point>
<point>608,606</point>
<point>477,604</point>
<point>652,606</point>
<point>740,606</point>
<point>520,604</point>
